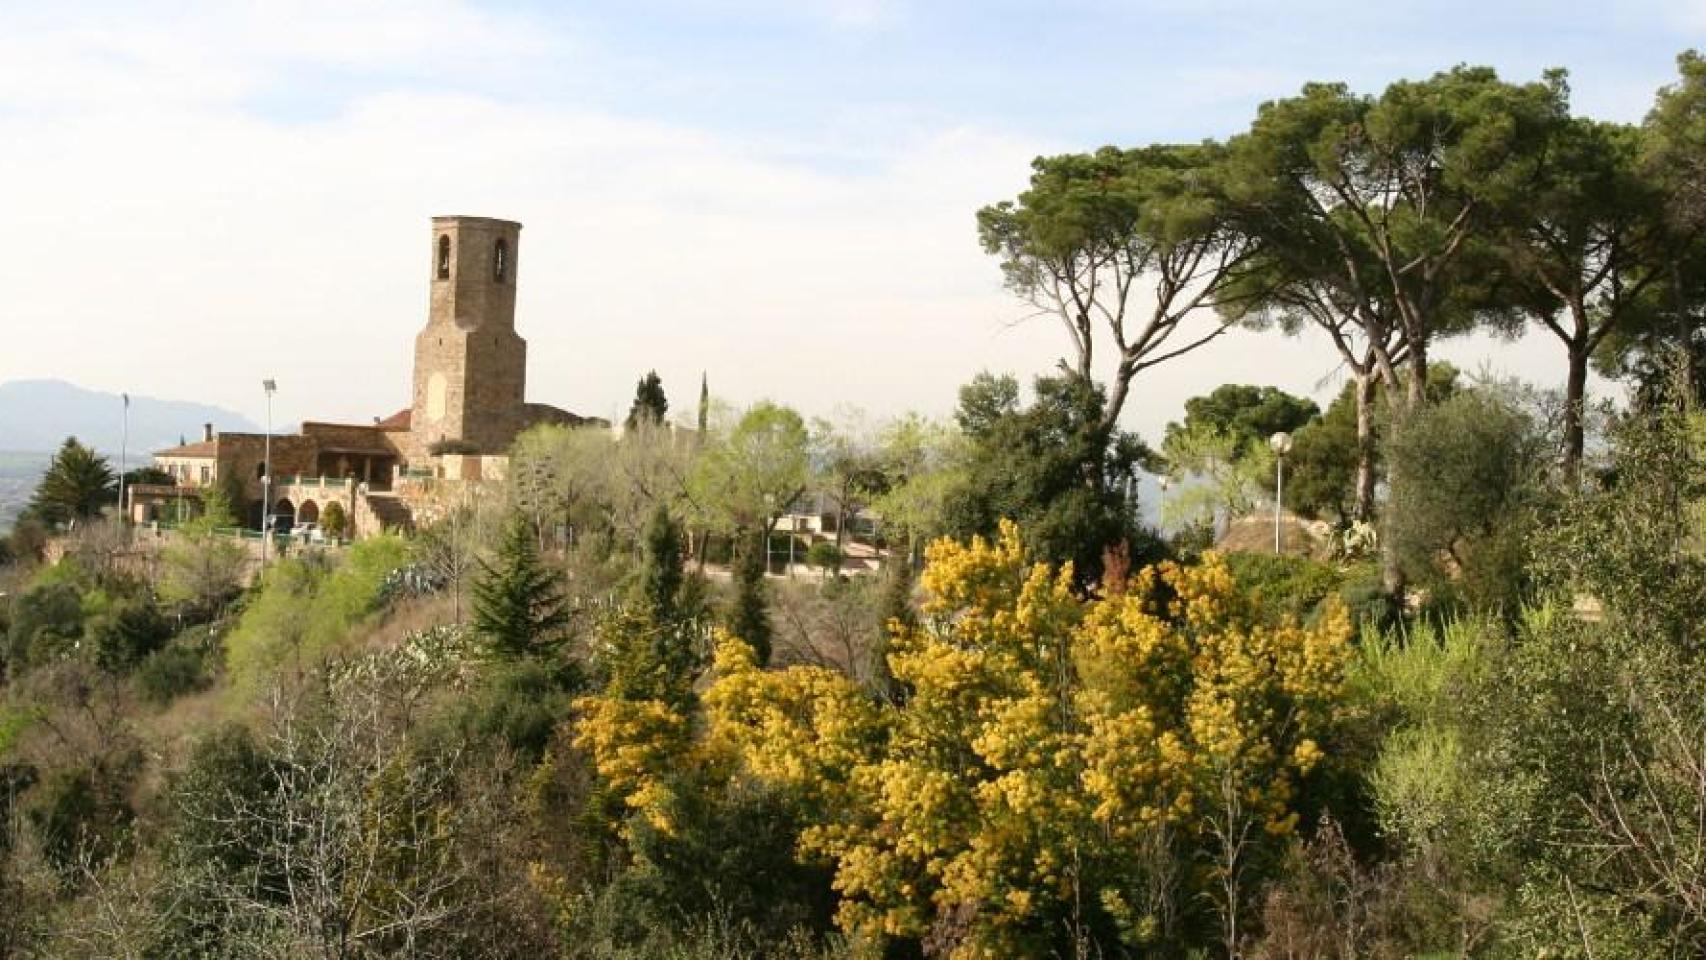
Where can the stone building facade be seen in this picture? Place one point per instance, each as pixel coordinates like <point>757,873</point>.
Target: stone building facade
<point>468,402</point>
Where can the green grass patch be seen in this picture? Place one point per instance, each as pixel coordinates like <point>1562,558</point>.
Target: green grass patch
<point>13,722</point>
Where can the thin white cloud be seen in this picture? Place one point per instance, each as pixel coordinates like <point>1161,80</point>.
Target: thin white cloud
<point>208,247</point>
<point>163,236</point>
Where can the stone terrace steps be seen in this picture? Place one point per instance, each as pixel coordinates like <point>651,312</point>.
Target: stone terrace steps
<point>393,513</point>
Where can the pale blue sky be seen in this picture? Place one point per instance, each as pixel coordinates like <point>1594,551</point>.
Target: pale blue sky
<point>200,195</point>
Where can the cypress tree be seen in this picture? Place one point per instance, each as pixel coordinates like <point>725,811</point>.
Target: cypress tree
<point>650,404</point>
<point>704,403</point>
<point>749,616</point>
<point>518,608</point>
<point>660,567</point>
<point>647,646</point>
<point>897,614</point>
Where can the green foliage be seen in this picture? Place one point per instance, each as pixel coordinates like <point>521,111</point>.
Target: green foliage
<point>517,705</point>
<point>650,404</point>
<point>306,609</point>
<point>824,555</point>
<point>748,616</point>
<point>148,475</point>
<point>1633,540</point>
<point>1374,212</point>
<point>1673,144</point>
<point>648,649</point>
<point>334,521</point>
<point>80,812</point>
<point>46,622</point>
<point>1465,475</point>
<point>28,537</point>
<point>1247,414</point>
<point>1285,585</point>
<point>731,856</point>
<point>922,465</point>
<point>13,722</point>
<point>171,673</point>
<point>1220,480</point>
<point>228,490</point>
<point>658,585</point>
<point>1054,469</point>
<point>78,483</point>
<point>985,401</point>
<point>518,604</point>
<point>179,668</point>
<point>755,473</point>
<point>129,632</point>
<point>1321,469</point>
<point>452,447</point>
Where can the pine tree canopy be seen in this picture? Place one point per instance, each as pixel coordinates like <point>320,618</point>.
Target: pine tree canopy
<point>650,404</point>
<point>77,484</point>
<point>518,606</point>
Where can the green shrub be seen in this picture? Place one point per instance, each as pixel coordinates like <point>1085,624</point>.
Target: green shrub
<point>127,634</point>
<point>13,722</point>
<point>80,812</point>
<point>47,621</point>
<point>517,704</point>
<point>306,609</point>
<point>1466,478</point>
<point>333,520</point>
<point>824,555</point>
<point>1285,585</point>
<point>171,672</point>
<point>1364,592</point>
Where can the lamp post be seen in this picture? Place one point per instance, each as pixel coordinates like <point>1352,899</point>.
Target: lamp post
<point>1281,444</point>
<point>270,386</point>
<point>769,511</point>
<point>1163,481</point>
<point>123,458</point>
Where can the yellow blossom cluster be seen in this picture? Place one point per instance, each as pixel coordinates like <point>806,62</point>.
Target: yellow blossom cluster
<point>805,729</point>
<point>634,745</point>
<point>1046,744</point>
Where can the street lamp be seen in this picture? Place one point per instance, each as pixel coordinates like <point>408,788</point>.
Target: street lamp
<point>270,386</point>
<point>123,459</point>
<point>1281,444</point>
<point>1163,481</point>
<point>769,511</point>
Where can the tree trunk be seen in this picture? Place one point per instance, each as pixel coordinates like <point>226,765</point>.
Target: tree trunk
<point>840,530</point>
<point>1575,399</point>
<point>1416,393</point>
<point>1391,572</point>
<point>1364,508</point>
<point>1684,337</point>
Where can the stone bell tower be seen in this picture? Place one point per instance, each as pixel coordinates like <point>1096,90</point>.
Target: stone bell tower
<point>470,365</point>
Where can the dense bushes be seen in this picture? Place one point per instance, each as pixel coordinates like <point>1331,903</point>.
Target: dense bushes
<point>1466,478</point>
<point>305,609</point>
<point>1285,584</point>
<point>173,671</point>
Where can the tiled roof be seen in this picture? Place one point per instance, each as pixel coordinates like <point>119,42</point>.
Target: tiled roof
<point>202,448</point>
<point>397,421</point>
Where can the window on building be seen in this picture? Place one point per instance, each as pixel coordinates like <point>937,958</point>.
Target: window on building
<point>206,475</point>
<point>260,470</point>
<point>500,261</point>
<point>444,256</point>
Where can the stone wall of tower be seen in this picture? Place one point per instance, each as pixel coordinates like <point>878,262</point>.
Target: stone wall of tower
<point>470,365</point>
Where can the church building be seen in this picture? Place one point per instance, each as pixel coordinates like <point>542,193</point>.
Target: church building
<point>467,406</point>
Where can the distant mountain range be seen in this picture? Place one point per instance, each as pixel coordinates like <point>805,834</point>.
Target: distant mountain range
<point>37,416</point>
